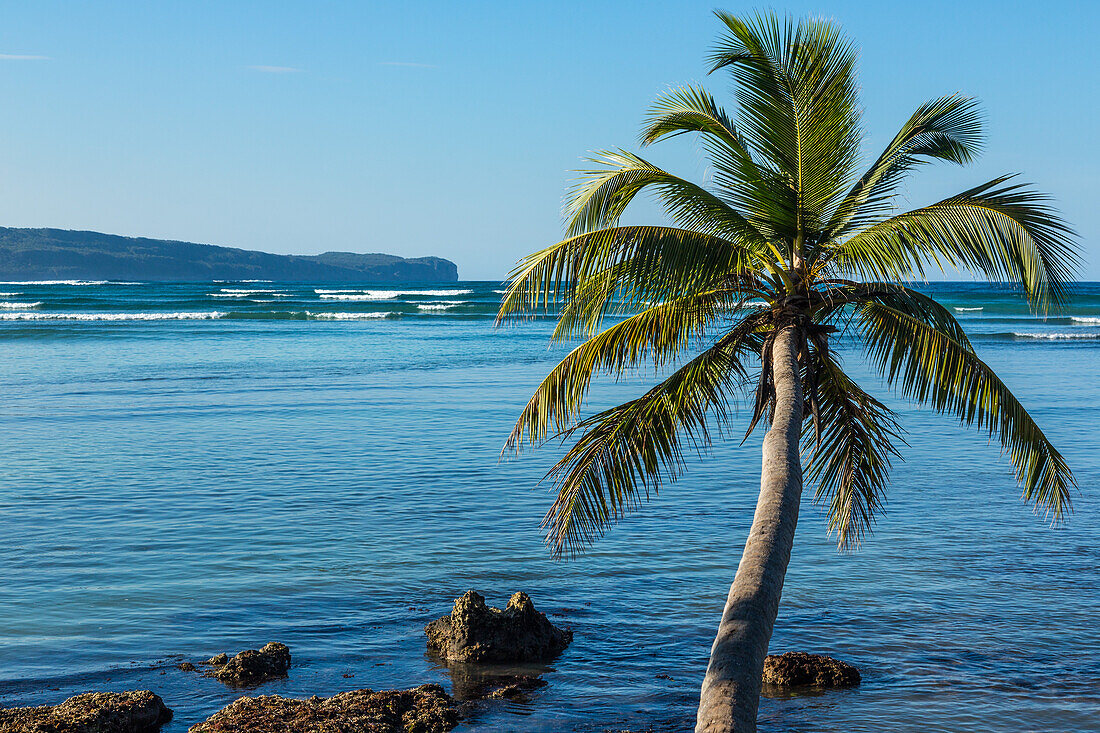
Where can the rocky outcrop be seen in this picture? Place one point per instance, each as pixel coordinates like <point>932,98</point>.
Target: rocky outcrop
<point>426,709</point>
<point>474,632</point>
<point>92,712</point>
<point>251,667</point>
<point>798,669</point>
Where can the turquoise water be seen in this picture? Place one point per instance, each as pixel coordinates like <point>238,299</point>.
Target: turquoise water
<point>198,468</point>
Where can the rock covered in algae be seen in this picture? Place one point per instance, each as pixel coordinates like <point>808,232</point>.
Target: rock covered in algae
<point>251,667</point>
<point>426,709</point>
<point>799,669</point>
<point>139,711</point>
<point>474,632</point>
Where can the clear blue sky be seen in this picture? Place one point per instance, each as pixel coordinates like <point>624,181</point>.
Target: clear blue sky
<point>450,128</point>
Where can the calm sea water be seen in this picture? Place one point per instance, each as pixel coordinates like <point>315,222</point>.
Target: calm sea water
<point>189,469</point>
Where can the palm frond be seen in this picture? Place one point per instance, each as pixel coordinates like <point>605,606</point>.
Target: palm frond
<point>627,452</point>
<point>931,367</point>
<point>851,460</point>
<point>656,335</point>
<point>948,129</point>
<point>901,298</point>
<point>647,264</point>
<point>602,194</point>
<point>798,106</point>
<point>1005,232</point>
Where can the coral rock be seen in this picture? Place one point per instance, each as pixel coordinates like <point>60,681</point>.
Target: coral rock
<point>474,632</point>
<point>251,667</point>
<point>798,669</point>
<point>92,712</point>
<point>426,709</point>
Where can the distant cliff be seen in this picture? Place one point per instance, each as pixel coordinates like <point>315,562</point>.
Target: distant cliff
<point>60,254</point>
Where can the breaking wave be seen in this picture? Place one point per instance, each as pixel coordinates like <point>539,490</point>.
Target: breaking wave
<point>1058,336</point>
<point>385,294</point>
<point>179,316</point>
<point>348,316</point>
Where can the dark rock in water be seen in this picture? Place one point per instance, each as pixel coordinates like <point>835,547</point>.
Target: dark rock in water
<point>251,667</point>
<point>799,669</point>
<point>93,712</point>
<point>187,667</point>
<point>511,687</point>
<point>426,709</point>
<point>475,632</point>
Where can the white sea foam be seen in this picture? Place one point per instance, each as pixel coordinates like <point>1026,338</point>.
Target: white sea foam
<point>436,306</point>
<point>377,295</point>
<point>8,295</point>
<point>253,291</point>
<point>1059,336</point>
<point>230,293</point>
<point>385,294</point>
<point>17,306</point>
<point>1085,319</point>
<point>175,316</point>
<point>347,316</point>
<point>969,310</point>
<point>60,282</point>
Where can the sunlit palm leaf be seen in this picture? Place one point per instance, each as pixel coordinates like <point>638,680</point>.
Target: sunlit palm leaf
<point>602,194</point>
<point>652,264</point>
<point>948,128</point>
<point>911,302</point>
<point>625,453</point>
<point>798,106</point>
<point>929,366</point>
<point>1006,232</point>
<point>655,336</point>
<point>851,463</point>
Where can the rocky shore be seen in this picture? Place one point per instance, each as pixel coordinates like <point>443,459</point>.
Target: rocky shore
<point>93,712</point>
<point>474,642</point>
<point>425,709</point>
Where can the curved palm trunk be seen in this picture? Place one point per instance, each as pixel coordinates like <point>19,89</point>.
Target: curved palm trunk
<point>731,689</point>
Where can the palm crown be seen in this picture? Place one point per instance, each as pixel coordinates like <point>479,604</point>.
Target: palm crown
<point>789,232</point>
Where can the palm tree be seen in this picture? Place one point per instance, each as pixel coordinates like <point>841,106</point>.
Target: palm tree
<point>787,245</point>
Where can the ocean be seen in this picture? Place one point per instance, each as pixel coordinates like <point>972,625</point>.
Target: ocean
<point>206,467</point>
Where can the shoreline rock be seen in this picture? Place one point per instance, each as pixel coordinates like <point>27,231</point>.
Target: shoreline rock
<point>425,709</point>
<point>799,669</point>
<point>138,711</point>
<point>474,632</point>
<point>251,667</point>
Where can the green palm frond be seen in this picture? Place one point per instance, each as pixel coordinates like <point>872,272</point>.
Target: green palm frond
<point>931,367</point>
<point>656,335</point>
<point>602,195</point>
<point>627,452</point>
<point>1006,232</point>
<point>649,264</point>
<point>691,109</point>
<point>798,107</point>
<point>948,128</point>
<point>612,292</point>
<point>851,461</point>
<point>912,302</point>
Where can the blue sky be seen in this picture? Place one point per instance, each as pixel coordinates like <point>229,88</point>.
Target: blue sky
<point>451,128</point>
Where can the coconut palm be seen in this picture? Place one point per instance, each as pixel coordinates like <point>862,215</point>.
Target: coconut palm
<point>787,245</point>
